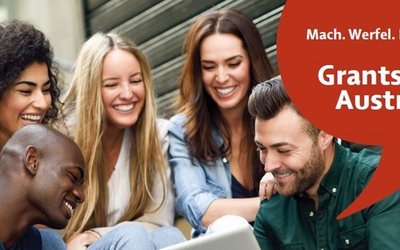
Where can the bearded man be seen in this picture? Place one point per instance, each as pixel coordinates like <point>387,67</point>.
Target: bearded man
<point>316,179</point>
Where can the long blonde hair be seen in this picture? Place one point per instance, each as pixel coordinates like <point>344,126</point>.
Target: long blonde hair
<point>84,101</point>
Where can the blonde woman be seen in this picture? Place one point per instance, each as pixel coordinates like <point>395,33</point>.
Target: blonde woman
<point>110,112</point>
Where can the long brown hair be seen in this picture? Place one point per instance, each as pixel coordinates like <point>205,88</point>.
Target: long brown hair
<point>201,111</point>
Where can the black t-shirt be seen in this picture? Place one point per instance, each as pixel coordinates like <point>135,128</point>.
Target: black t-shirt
<point>238,191</point>
<point>31,240</point>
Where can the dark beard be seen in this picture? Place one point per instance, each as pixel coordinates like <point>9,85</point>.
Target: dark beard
<point>311,172</point>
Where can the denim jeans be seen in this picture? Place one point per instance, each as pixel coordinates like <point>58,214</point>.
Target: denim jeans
<point>135,237</point>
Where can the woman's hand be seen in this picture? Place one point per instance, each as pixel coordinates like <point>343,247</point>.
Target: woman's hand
<point>82,241</point>
<point>267,187</point>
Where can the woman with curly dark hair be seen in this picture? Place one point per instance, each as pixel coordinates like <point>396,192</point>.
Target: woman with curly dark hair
<point>29,94</point>
<point>29,91</point>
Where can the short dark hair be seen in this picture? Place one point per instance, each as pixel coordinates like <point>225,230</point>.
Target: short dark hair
<point>21,44</point>
<point>268,98</point>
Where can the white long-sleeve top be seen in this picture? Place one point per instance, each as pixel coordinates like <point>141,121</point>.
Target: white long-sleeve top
<point>120,194</point>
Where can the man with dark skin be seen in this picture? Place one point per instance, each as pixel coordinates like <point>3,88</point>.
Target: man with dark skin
<point>41,177</point>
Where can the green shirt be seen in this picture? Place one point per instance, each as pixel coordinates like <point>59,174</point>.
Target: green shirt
<point>293,223</point>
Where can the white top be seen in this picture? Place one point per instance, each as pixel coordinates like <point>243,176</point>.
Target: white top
<point>118,184</point>
<point>119,192</point>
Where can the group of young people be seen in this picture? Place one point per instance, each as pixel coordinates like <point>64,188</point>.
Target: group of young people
<point>109,111</point>
<point>139,169</point>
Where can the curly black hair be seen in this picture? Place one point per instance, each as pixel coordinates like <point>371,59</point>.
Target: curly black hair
<point>21,44</point>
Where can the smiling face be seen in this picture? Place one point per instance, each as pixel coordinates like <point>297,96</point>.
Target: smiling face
<point>26,101</point>
<point>289,153</point>
<point>123,90</point>
<point>225,68</point>
<point>58,182</point>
